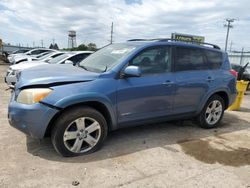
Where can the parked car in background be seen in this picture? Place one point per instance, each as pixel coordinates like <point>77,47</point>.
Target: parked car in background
<point>64,58</point>
<point>13,59</point>
<point>74,57</point>
<point>242,74</point>
<point>49,56</point>
<point>20,51</point>
<point>16,52</point>
<point>248,69</point>
<point>125,84</point>
<point>22,58</point>
<point>46,56</point>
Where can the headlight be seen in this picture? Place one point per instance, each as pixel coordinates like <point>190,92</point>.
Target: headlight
<point>31,96</point>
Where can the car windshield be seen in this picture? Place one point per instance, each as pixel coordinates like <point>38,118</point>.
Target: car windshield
<point>44,55</point>
<point>20,51</point>
<point>107,57</point>
<point>59,58</point>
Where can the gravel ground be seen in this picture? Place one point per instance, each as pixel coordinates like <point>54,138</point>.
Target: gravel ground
<point>170,154</point>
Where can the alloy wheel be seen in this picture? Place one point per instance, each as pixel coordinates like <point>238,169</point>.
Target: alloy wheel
<point>82,135</point>
<point>213,112</point>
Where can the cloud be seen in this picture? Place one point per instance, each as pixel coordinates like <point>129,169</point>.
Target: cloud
<point>30,20</point>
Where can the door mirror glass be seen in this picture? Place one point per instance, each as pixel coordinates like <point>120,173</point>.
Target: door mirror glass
<point>132,71</point>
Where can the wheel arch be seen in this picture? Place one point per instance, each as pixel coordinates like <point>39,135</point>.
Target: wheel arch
<point>101,107</point>
<point>222,93</point>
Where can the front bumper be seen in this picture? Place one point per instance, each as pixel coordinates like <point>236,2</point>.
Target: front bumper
<point>32,119</point>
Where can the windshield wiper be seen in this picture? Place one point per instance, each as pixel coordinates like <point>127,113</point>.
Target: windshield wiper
<point>82,66</point>
<point>105,68</point>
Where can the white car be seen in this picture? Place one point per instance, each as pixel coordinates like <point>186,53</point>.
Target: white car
<point>67,58</point>
<point>41,57</point>
<point>13,59</point>
<point>48,56</point>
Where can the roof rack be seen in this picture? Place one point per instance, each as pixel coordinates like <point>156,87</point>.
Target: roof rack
<point>176,40</point>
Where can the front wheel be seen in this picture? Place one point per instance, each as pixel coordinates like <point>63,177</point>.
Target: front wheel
<point>79,131</point>
<point>212,112</point>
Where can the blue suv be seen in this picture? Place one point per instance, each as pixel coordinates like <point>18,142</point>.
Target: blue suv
<point>131,83</point>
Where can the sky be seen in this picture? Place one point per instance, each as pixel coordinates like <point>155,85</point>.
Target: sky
<point>30,21</point>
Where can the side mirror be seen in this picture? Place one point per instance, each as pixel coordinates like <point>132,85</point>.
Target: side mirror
<point>132,71</point>
<point>68,62</point>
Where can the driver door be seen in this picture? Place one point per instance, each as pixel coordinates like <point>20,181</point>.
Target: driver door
<point>151,94</point>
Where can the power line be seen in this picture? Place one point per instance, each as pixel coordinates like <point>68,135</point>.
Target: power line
<point>229,26</point>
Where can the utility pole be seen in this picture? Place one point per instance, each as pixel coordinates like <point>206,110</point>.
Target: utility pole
<point>241,56</point>
<point>231,44</point>
<point>42,43</point>
<point>229,26</point>
<point>111,34</point>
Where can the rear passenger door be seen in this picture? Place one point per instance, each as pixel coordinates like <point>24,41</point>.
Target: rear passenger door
<point>193,78</point>
<point>215,59</point>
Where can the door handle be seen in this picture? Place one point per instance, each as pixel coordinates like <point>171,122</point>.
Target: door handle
<point>210,79</point>
<point>168,83</point>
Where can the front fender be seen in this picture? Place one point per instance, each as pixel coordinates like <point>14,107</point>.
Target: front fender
<point>88,97</point>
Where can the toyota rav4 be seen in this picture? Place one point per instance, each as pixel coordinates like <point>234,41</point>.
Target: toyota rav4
<point>131,83</point>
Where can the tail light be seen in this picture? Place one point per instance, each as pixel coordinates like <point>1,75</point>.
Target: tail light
<point>234,73</point>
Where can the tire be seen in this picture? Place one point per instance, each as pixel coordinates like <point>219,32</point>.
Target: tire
<point>212,121</point>
<point>77,127</point>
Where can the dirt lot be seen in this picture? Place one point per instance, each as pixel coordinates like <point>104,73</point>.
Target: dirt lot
<point>159,155</point>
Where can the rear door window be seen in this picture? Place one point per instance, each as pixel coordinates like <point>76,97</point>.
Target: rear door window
<point>189,59</point>
<point>214,59</point>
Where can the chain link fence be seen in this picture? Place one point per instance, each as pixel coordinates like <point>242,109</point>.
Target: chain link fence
<point>239,58</point>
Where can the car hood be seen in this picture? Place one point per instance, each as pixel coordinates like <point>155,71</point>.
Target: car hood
<point>48,75</point>
<point>26,64</point>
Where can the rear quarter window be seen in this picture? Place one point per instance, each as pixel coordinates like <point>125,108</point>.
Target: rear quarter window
<point>214,59</point>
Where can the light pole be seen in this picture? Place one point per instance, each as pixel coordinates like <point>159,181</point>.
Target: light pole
<point>228,25</point>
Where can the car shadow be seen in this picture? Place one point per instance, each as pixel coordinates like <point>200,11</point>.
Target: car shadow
<point>130,140</point>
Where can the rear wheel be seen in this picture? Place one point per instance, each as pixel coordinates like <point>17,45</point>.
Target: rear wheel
<point>212,112</point>
<point>79,131</point>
